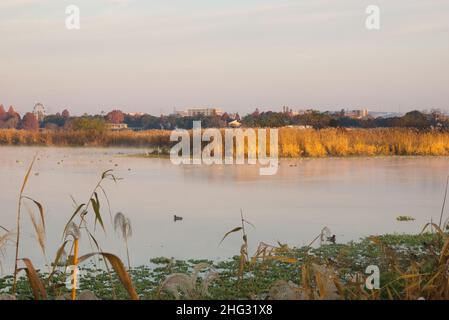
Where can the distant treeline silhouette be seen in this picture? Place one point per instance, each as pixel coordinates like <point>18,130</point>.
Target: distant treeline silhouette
<point>137,121</point>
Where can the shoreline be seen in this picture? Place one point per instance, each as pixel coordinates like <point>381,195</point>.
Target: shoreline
<point>167,155</point>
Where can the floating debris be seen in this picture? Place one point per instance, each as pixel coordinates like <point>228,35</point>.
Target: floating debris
<point>405,218</point>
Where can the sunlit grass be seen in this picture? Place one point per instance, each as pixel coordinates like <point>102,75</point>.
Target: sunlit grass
<point>293,142</point>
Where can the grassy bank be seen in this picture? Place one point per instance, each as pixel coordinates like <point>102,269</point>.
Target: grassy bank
<point>293,142</point>
<point>82,138</point>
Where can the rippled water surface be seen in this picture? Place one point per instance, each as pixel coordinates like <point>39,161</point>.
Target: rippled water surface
<point>354,197</point>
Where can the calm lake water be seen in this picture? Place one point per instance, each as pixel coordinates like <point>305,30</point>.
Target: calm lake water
<point>354,197</point>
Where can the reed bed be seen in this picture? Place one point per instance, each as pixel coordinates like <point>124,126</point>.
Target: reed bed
<point>293,142</point>
<point>361,142</point>
<point>80,138</point>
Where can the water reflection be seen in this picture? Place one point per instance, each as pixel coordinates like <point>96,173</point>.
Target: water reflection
<point>354,197</point>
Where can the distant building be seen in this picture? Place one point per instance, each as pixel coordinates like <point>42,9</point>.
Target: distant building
<point>234,116</point>
<point>356,114</point>
<point>195,112</point>
<point>286,109</point>
<point>116,126</point>
<point>135,114</point>
<point>289,111</point>
<point>234,124</point>
<point>180,113</point>
<point>306,111</point>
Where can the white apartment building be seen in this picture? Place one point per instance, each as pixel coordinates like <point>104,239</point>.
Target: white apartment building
<point>195,112</point>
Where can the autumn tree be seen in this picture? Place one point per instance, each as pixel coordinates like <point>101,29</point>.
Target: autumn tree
<point>115,116</point>
<point>10,119</point>
<point>11,123</point>
<point>56,119</point>
<point>29,122</point>
<point>12,113</point>
<point>3,114</point>
<point>225,116</point>
<point>93,126</point>
<point>65,114</point>
<point>414,119</point>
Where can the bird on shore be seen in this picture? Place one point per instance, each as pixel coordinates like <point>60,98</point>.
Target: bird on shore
<point>332,239</point>
<point>177,218</point>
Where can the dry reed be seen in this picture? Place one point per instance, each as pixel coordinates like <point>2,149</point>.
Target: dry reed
<point>293,142</point>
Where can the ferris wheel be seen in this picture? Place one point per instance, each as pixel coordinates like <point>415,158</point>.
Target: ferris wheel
<point>39,111</point>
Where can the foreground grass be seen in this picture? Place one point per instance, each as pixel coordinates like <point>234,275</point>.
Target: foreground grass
<point>258,278</point>
<point>293,142</point>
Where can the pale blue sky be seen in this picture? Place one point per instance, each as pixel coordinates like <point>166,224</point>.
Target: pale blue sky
<point>154,55</point>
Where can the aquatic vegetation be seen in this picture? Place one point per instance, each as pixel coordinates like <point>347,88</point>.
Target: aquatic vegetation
<point>5,238</point>
<point>187,285</point>
<point>330,271</point>
<point>244,258</point>
<point>405,218</point>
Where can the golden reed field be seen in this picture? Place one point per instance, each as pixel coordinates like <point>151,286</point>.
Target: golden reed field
<point>293,142</point>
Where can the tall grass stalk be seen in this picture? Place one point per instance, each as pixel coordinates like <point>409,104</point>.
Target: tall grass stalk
<point>75,266</point>
<point>123,225</point>
<point>444,202</point>
<point>19,207</point>
<point>39,287</point>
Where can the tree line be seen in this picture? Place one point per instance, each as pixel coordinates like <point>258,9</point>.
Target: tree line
<point>312,118</point>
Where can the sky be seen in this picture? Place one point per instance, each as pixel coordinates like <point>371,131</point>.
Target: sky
<point>157,55</point>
